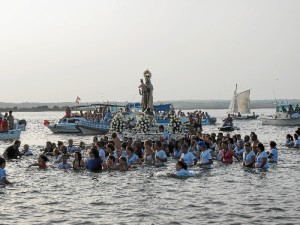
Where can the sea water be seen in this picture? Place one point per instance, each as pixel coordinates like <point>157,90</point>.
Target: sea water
<point>226,194</point>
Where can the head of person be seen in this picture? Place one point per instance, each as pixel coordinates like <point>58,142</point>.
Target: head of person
<point>17,144</point>
<point>260,147</point>
<point>70,142</point>
<point>94,153</point>
<point>95,139</point>
<point>184,148</point>
<point>44,158</point>
<point>158,145</point>
<point>123,160</point>
<point>247,146</point>
<point>110,148</point>
<point>240,144</point>
<point>224,145</point>
<point>181,165</point>
<point>202,145</point>
<point>64,159</point>
<point>272,144</point>
<point>129,150</point>
<point>161,128</point>
<point>114,135</point>
<point>26,147</point>
<point>111,160</point>
<point>77,156</point>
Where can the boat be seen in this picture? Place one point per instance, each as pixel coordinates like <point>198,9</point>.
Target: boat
<point>239,107</point>
<point>286,115</point>
<point>11,134</point>
<point>92,128</point>
<point>65,125</point>
<point>228,128</point>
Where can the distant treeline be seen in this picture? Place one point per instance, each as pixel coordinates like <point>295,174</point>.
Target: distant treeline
<point>184,105</point>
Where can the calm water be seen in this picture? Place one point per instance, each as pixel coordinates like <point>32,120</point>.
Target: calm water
<point>225,195</point>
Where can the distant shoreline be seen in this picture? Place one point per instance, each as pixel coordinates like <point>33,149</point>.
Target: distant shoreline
<point>178,104</point>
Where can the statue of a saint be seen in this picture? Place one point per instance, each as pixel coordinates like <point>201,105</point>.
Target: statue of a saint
<point>146,90</point>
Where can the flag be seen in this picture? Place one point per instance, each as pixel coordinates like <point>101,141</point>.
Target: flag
<point>77,100</point>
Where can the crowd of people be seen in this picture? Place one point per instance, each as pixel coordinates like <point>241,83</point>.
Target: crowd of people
<point>195,151</point>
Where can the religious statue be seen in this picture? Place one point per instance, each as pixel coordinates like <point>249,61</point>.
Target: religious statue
<point>146,90</point>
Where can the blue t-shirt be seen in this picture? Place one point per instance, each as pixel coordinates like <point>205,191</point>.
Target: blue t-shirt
<point>2,175</point>
<point>184,172</point>
<point>274,158</point>
<point>94,164</point>
<point>133,159</point>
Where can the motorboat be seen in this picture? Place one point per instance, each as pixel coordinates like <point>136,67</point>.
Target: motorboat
<point>65,125</point>
<point>286,115</point>
<point>239,107</point>
<point>228,128</point>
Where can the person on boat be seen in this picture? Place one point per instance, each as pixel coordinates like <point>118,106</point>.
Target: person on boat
<point>239,114</point>
<point>3,179</point>
<point>248,155</point>
<point>297,109</point>
<point>12,152</point>
<point>187,156</point>
<point>206,156</point>
<point>41,162</point>
<point>11,121</point>
<point>289,142</point>
<point>239,149</point>
<point>262,157</point>
<point>181,170</point>
<point>228,154</point>
<point>94,164</point>
<point>291,110</point>
<point>228,121</point>
<point>149,154</point>
<point>78,162</point>
<point>4,125</point>
<point>26,151</point>
<point>68,112</point>
<point>64,165</point>
<point>273,155</point>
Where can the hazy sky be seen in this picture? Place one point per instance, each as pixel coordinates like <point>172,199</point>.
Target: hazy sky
<point>56,50</point>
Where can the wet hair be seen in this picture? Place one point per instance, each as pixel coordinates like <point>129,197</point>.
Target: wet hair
<point>110,146</point>
<point>129,148</point>
<point>290,137</point>
<point>95,152</point>
<point>100,144</point>
<point>148,143</point>
<point>273,144</point>
<point>114,135</point>
<point>78,155</point>
<point>161,127</point>
<point>158,144</point>
<point>182,164</point>
<point>124,145</point>
<point>112,157</point>
<point>261,146</point>
<point>124,159</point>
<point>17,142</point>
<point>45,158</point>
<point>2,160</point>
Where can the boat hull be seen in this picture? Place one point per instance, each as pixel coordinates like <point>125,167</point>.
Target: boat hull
<point>11,134</point>
<point>281,121</point>
<point>58,128</point>
<point>90,128</point>
<point>252,117</point>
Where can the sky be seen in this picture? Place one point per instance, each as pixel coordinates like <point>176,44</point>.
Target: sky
<point>56,50</point>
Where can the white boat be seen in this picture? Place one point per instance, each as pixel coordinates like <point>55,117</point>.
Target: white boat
<point>91,128</point>
<point>240,106</point>
<point>286,115</point>
<point>65,125</point>
<point>11,134</point>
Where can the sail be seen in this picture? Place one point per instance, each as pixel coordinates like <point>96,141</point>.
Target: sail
<point>233,107</point>
<point>243,102</point>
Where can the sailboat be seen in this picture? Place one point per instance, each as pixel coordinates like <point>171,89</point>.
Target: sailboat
<point>240,106</point>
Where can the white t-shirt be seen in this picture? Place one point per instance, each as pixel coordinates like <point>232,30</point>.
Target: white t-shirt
<point>206,157</point>
<point>188,158</point>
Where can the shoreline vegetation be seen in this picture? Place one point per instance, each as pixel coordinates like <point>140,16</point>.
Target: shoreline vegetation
<point>178,104</point>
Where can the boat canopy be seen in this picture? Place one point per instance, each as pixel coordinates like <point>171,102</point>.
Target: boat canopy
<point>157,108</point>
